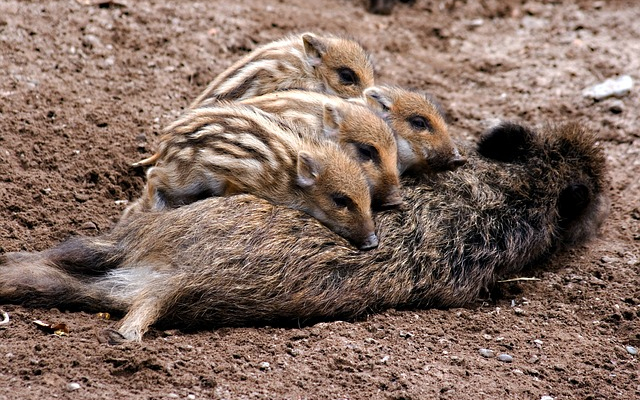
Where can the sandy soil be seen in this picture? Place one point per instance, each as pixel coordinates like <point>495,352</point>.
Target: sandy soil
<point>86,89</point>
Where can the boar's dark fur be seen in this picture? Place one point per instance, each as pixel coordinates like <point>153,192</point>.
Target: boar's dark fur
<point>240,260</point>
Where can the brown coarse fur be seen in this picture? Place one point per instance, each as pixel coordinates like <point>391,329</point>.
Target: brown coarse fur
<point>424,143</point>
<point>360,131</point>
<point>308,61</point>
<point>239,260</point>
<point>229,148</point>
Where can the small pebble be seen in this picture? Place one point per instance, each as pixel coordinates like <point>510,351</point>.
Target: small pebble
<point>173,395</point>
<point>109,61</point>
<point>91,41</point>
<point>618,87</point>
<point>265,366</point>
<point>73,386</point>
<point>191,397</point>
<point>89,226</point>
<point>616,107</point>
<point>538,342</point>
<point>631,350</point>
<point>486,353</point>
<point>80,197</point>
<point>518,311</point>
<point>406,335</point>
<point>546,398</point>
<point>457,360</point>
<point>533,372</point>
<point>505,358</point>
<point>487,336</point>
<point>384,359</point>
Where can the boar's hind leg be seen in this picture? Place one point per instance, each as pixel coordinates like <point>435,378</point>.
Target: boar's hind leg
<point>149,306</point>
<point>32,279</point>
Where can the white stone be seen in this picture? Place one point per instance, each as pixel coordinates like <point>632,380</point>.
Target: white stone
<point>618,87</point>
<point>265,365</point>
<point>486,353</point>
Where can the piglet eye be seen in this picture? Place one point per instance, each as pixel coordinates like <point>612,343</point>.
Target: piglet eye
<point>367,152</point>
<point>341,200</point>
<point>420,123</point>
<point>347,76</point>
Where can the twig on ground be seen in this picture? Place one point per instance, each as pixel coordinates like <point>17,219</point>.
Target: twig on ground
<point>519,279</point>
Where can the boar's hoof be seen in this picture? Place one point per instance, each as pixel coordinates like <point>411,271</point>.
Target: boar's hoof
<point>111,337</point>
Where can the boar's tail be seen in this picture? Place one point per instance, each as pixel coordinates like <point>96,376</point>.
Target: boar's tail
<point>65,275</point>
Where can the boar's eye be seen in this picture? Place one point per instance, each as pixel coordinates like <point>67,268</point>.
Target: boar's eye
<point>347,76</point>
<point>341,200</point>
<point>367,152</point>
<point>420,123</point>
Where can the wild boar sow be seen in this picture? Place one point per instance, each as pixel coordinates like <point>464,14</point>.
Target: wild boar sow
<point>239,260</point>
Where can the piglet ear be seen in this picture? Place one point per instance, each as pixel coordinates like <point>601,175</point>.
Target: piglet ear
<point>508,142</point>
<point>332,117</point>
<point>314,48</point>
<point>378,98</point>
<point>308,170</point>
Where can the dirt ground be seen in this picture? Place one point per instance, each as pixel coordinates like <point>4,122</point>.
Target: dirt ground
<point>86,89</point>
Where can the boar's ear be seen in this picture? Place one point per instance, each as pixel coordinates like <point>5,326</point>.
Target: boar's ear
<point>378,98</point>
<point>506,142</point>
<point>314,48</point>
<point>331,119</point>
<point>573,200</point>
<point>308,170</point>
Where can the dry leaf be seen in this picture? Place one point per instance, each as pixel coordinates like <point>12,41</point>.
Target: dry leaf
<point>56,329</point>
<point>104,315</point>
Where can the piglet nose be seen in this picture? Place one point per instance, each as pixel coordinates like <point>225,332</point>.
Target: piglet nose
<point>371,242</point>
